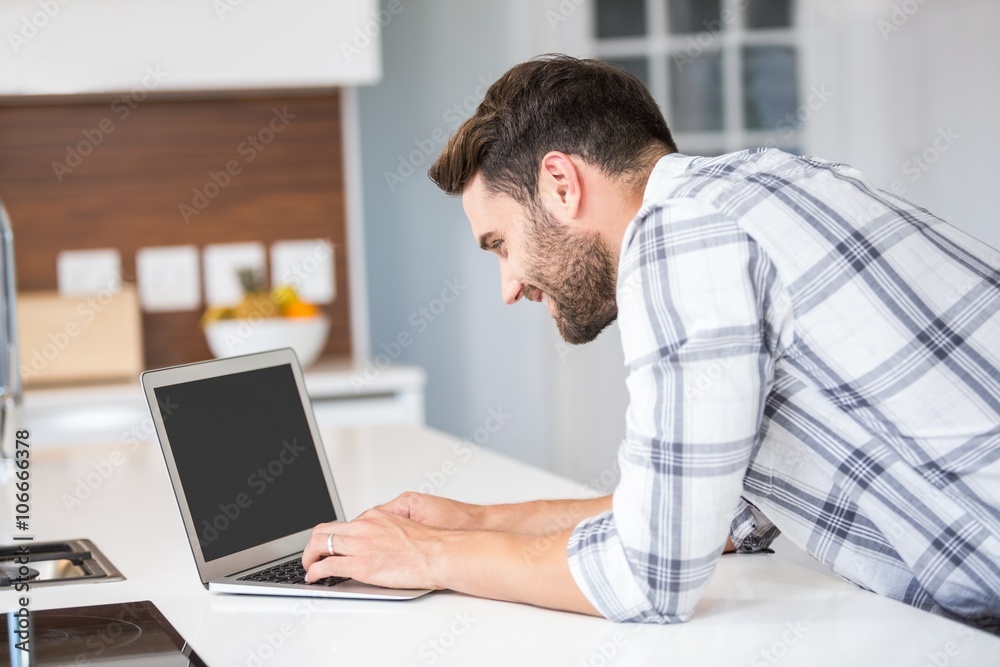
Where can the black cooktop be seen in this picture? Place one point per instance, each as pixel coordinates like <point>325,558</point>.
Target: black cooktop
<point>127,633</point>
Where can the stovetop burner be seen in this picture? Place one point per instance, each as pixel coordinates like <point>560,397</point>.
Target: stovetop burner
<point>111,635</point>
<point>50,563</point>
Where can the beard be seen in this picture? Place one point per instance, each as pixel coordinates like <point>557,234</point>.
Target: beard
<point>578,272</point>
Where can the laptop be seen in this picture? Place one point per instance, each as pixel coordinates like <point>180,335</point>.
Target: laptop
<point>249,473</point>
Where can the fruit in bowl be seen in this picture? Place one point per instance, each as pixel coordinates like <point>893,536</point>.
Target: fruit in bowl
<point>266,320</point>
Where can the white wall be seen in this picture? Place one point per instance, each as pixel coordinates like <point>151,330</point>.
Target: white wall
<point>101,46</point>
<point>901,81</point>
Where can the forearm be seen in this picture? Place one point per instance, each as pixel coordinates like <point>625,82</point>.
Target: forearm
<point>544,517</point>
<point>541,517</point>
<point>531,569</point>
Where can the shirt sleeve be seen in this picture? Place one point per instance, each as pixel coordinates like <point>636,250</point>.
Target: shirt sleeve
<point>693,292</point>
<point>751,531</point>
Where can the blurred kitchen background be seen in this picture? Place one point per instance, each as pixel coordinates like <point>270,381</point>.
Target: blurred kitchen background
<point>202,135</point>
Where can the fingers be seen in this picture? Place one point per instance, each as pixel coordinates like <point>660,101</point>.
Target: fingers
<point>335,566</point>
<point>317,560</point>
<point>317,548</point>
<point>376,548</point>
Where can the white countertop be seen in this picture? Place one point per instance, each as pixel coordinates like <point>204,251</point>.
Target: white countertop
<point>116,412</point>
<point>759,610</point>
<point>327,378</point>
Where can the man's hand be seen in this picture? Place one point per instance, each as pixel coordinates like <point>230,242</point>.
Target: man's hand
<point>378,547</point>
<point>386,549</point>
<point>436,512</point>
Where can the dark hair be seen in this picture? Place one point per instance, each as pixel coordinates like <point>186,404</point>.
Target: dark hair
<point>588,108</point>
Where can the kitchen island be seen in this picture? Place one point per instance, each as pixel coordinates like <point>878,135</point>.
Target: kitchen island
<point>759,610</point>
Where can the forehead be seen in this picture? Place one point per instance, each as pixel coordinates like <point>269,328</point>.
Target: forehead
<point>489,212</point>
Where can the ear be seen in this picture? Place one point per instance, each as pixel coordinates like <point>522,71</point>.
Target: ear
<point>559,186</point>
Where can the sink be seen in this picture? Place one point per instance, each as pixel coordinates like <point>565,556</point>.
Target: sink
<point>55,563</point>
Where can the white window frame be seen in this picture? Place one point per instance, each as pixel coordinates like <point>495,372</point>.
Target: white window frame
<point>658,45</point>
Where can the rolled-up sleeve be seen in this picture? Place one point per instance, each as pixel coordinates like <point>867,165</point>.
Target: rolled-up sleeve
<point>751,531</point>
<point>694,293</point>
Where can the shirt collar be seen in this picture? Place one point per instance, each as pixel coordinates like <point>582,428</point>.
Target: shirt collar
<point>667,167</point>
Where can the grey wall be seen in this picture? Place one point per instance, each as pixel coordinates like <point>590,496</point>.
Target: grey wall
<point>480,354</point>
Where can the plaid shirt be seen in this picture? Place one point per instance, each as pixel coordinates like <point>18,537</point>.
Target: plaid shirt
<point>820,355</point>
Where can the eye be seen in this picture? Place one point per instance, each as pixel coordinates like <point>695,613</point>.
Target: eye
<point>498,246</point>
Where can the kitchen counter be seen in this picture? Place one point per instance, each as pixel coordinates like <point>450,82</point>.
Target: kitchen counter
<point>761,610</point>
<point>342,393</point>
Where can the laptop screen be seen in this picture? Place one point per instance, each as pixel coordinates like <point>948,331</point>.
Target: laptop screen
<point>245,458</point>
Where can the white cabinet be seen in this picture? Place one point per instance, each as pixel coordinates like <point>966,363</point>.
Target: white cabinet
<point>341,396</point>
<point>134,48</point>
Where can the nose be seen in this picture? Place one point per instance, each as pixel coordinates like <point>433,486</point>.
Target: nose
<point>510,289</point>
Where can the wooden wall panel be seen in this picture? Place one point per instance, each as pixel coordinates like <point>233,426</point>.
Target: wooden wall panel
<point>127,191</point>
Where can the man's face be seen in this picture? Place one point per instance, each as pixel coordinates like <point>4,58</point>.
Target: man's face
<point>572,271</point>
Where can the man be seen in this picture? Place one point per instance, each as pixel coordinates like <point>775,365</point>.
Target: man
<point>806,353</point>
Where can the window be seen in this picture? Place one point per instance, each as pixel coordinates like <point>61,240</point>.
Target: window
<point>725,72</point>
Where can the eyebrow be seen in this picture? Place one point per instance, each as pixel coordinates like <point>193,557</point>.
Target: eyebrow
<point>485,241</point>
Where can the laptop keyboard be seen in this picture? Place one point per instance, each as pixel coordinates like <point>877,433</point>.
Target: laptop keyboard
<point>289,572</point>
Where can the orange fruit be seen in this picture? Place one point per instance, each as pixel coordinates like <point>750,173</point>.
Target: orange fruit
<point>300,309</point>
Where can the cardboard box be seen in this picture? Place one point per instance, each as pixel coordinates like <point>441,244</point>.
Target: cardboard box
<point>95,338</point>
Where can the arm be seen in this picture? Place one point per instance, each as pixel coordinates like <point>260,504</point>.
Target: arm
<point>538,517</point>
<point>388,550</point>
<point>693,294</point>
<point>382,547</point>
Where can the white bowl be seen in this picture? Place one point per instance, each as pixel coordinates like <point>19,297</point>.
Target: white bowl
<point>306,335</point>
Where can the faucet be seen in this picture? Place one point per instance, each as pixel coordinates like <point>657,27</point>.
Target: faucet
<point>11,390</point>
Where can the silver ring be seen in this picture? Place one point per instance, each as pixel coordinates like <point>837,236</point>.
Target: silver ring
<point>329,544</point>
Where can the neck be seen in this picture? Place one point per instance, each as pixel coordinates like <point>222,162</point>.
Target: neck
<point>629,205</point>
